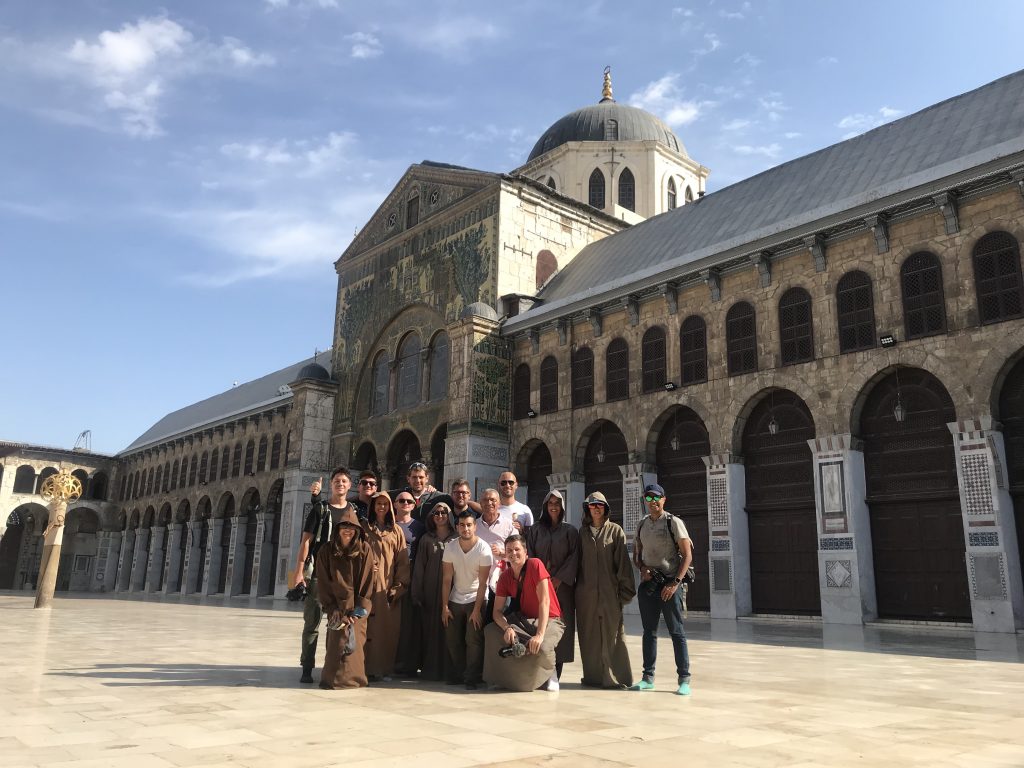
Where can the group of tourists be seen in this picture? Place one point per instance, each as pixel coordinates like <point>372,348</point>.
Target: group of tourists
<point>415,582</point>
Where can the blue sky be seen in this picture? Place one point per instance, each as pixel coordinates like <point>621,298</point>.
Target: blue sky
<point>178,179</point>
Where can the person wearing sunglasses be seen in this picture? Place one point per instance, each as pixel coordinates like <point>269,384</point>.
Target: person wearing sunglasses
<point>407,663</point>
<point>663,552</point>
<point>426,592</point>
<point>604,585</point>
<point>366,486</point>
<point>391,573</point>
<point>515,511</point>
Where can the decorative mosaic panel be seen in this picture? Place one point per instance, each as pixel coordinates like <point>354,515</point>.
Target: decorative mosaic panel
<point>986,539</point>
<point>839,574</point>
<point>832,495</point>
<point>720,545</point>
<point>632,507</point>
<point>718,502</point>
<point>988,577</point>
<point>977,484</point>
<point>835,543</point>
<point>721,574</point>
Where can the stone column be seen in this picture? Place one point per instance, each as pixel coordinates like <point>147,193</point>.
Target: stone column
<point>124,560</point>
<point>193,530</point>
<point>172,558</point>
<point>730,537</point>
<point>211,570</point>
<point>846,572</point>
<point>155,563</point>
<point>140,553</point>
<point>634,478</point>
<point>262,558</point>
<point>570,485</point>
<point>108,548</point>
<point>993,559</point>
<point>236,556</point>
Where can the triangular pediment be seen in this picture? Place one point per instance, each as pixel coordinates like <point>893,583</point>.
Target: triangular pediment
<point>426,188</point>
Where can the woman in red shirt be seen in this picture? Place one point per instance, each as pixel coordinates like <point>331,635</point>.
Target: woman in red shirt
<point>519,646</point>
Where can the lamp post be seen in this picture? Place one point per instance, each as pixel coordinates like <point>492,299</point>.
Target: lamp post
<point>58,490</point>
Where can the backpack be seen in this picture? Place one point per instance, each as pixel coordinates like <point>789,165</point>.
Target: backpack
<point>315,543</point>
<point>691,574</point>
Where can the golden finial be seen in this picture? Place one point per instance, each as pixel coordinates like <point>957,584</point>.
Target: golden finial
<point>606,90</point>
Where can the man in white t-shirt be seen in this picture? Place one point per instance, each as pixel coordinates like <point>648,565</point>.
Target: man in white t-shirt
<point>518,513</point>
<point>465,565</point>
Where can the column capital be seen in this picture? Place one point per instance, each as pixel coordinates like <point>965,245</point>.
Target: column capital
<point>835,443</point>
<point>721,459</point>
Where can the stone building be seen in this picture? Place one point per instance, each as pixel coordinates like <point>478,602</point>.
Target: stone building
<point>824,367</point>
<point>209,500</point>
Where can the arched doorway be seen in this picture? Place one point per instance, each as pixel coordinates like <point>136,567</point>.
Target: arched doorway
<point>183,517</point>
<point>1011,414</point>
<point>606,451</point>
<point>916,526</point>
<point>78,552</point>
<point>538,467</point>
<point>779,470</point>
<point>10,546</point>
<point>271,537</point>
<point>250,508</point>
<point>227,511</point>
<point>682,445</point>
<point>366,457</point>
<point>203,514</point>
<point>404,450</point>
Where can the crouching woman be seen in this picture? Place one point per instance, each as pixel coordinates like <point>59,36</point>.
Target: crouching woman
<point>519,646</point>
<point>344,580</point>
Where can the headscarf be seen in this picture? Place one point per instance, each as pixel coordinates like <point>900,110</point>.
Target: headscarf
<point>545,518</point>
<point>371,513</point>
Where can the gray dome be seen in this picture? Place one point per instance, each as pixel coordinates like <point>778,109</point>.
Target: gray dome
<point>591,124</point>
<point>479,309</point>
<point>313,371</point>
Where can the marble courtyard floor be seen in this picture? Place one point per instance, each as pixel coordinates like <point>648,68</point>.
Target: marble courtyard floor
<point>112,681</point>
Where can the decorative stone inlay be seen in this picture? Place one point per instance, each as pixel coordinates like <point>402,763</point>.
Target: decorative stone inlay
<point>839,573</point>
<point>721,545</point>
<point>977,484</point>
<point>718,502</point>
<point>988,576</point>
<point>835,543</point>
<point>986,539</point>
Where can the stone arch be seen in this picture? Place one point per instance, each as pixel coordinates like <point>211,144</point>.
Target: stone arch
<point>403,449</point>
<point>271,540</point>
<point>437,454</point>
<point>148,517</point>
<point>603,450</point>
<point>992,373</point>
<point>562,458</point>
<point>547,266</point>
<point>184,513</point>
<point>83,477</point>
<point>248,511</point>
<point>225,505</point>
<point>133,520</point>
<point>98,486</point>
<point>365,456</point>
<point>25,479</point>
<point>43,474</point>
<point>734,420</point>
<point>164,517</point>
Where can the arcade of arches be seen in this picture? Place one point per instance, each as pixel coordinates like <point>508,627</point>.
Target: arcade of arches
<point>895,520</point>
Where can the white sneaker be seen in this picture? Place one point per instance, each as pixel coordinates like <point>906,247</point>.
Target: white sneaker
<point>552,682</point>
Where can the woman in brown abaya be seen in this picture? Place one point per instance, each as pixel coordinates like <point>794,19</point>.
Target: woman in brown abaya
<point>391,572</point>
<point>343,581</point>
<point>426,590</point>
<point>604,585</point>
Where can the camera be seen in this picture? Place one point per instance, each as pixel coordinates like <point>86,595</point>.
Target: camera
<point>515,651</point>
<point>297,593</point>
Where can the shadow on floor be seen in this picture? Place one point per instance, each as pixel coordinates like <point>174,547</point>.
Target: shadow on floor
<point>213,675</point>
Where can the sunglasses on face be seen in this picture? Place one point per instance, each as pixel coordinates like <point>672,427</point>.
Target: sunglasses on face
<point>652,497</point>
<point>405,501</point>
<point>440,512</point>
<point>506,482</point>
<point>368,482</point>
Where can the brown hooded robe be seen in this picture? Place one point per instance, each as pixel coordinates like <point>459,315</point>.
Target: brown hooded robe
<point>426,594</point>
<point>391,573</point>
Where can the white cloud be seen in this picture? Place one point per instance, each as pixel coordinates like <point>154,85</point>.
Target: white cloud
<point>792,134</point>
<point>243,56</point>
<point>736,125</point>
<point>773,105</point>
<point>828,60</point>
<point>279,4</point>
<point>664,98</point>
<point>364,45</point>
<point>770,151</point>
<point>748,59</point>
<point>858,123</point>
<point>682,13</point>
<point>303,158</point>
<point>711,44</point>
<point>451,36</point>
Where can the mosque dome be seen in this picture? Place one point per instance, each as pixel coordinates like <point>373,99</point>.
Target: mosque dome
<point>313,371</point>
<point>607,121</point>
<point>479,309</point>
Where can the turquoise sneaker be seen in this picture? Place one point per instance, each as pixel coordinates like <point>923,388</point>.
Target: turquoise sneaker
<point>643,685</point>
<point>683,689</point>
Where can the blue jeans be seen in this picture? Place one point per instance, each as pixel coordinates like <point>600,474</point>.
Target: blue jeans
<point>652,608</point>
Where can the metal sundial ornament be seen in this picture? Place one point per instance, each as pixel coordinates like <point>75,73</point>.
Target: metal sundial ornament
<point>58,490</point>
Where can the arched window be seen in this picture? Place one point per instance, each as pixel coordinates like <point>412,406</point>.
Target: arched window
<point>796,327</point>
<point>204,465</point>
<point>616,370</point>
<point>98,489</point>
<point>924,303</point>
<point>741,339</point>
<point>547,265</point>
<point>439,363</point>
<point>412,211</point>
<point>551,182</point>
<point>693,350</point>
<point>409,371</point>
<point>184,473</point>
<point>24,479</point>
<point>521,391</point>
<point>213,465</point>
<point>855,308</point>
<point>236,460</point>
<point>997,278</point>
<point>136,485</point>
<point>261,455</point>
<point>627,190</point>
<point>167,477</point>
<point>582,377</point>
<point>275,452</point>
<point>193,467</point>
<point>122,488</point>
<point>654,360</point>
<point>225,460</point>
<point>250,451</point>
<point>174,475</point>
<point>549,384</point>
<point>149,482</point>
<point>688,195</point>
<point>381,388</point>
<point>596,198</point>
<point>670,199</point>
